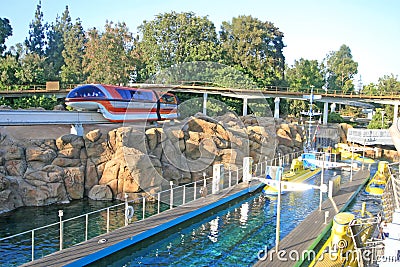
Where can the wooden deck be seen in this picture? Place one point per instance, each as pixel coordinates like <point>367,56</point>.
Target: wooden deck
<point>123,236</point>
<point>304,236</point>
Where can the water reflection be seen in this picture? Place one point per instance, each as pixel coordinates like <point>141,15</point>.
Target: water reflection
<point>244,214</point>
<point>213,235</point>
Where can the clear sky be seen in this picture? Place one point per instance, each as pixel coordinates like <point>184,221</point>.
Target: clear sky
<point>312,28</point>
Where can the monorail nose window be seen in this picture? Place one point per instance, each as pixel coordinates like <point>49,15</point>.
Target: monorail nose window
<point>169,99</point>
<point>86,91</point>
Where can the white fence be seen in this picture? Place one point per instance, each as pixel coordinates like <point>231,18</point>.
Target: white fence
<point>369,137</point>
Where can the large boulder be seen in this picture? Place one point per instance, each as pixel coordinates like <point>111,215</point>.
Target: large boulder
<point>100,192</point>
<point>74,182</point>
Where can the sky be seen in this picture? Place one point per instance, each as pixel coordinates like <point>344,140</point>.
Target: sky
<point>311,28</point>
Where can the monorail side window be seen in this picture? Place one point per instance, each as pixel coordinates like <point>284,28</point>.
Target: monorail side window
<point>143,96</point>
<point>126,94</point>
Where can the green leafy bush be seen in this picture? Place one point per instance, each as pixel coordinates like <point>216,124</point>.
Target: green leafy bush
<point>335,118</point>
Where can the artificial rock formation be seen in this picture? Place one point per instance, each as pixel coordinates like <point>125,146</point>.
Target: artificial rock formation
<point>135,160</point>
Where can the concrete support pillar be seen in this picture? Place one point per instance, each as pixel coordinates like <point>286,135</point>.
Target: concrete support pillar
<point>205,96</point>
<point>277,100</point>
<point>325,115</point>
<point>218,178</point>
<point>244,106</point>
<point>395,112</point>
<point>370,114</point>
<point>333,107</point>
<point>77,129</point>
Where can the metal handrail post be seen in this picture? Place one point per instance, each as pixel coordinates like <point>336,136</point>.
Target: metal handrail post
<point>126,208</point>
<point>230,176</point>
<point>195,191</point>
<point>144,207</point>
<point>158,202</point>
<point>171,197</point>
<point>108,220</point>
<point>60,215</point>
<point>184,195</point>
<point>87,226</point>
<point>33,245</point>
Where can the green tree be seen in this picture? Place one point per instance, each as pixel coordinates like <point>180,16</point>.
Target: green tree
<point>388,84</point>
<point>255,47</point>
<point>300,77</point>
<point>108,55</point>
<point>32,70</point>
<point>9,67</point>
<point>340,70</point>
<point>173,38</point>
<point>73,53</point>
<point>37,33</point>
<point>378,121</point>
<point>370,89</point>
<point>55,35</point>
<point>5,32</point>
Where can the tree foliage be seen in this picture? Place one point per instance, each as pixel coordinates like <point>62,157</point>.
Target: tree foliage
<point>173,38</point>
<point>55,47</point>
<point>300,77</point>
<point>255,47</point>
<point>5,32</point>
<point>379,120</point>
<point>36,41</point>
<point>9,69</point>
<point>340,70</point>
<point>108,57</point>
<point>73,53</point>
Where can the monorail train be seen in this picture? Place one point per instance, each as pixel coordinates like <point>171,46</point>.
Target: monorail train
<point>118,104</point>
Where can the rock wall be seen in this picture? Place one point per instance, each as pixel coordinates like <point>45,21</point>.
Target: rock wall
<point>134,160</point>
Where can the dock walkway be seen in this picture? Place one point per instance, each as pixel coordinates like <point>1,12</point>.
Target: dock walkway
<point>305,236</point>
<point>91,250</point>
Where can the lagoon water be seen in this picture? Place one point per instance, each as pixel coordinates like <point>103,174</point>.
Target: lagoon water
<point>233,236</point>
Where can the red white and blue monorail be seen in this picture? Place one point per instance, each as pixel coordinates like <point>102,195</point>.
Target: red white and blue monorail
<point>118,103</point>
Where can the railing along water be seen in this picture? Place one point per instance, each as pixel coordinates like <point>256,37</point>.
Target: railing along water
<point>72,231</point>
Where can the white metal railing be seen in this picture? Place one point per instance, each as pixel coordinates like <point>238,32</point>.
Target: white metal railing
<point>369,137</point>
<point>391,194</point>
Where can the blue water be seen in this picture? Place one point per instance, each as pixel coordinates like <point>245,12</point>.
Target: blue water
<point>231,237</point>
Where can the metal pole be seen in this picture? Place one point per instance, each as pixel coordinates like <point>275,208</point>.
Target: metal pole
<point>278,212</point>
<point>87,226</point>
<point>363,155</point>
<point>144,207</point>
<point>230,176</point>
<point>158,202</point>
<point>108,220</point>
<point>61,214</point>
<point>184,195</point>
<point>195,191</point>
<point>352,161</point>
<point>322,182</point>
<point>33,245</point>
<point>171,197</point>
<point>126,208</point>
